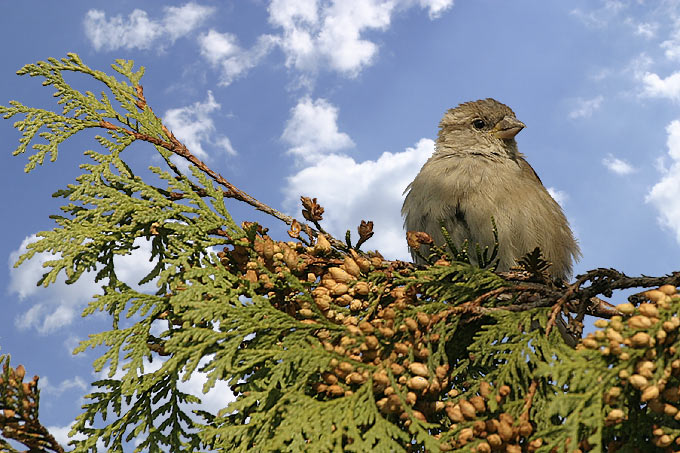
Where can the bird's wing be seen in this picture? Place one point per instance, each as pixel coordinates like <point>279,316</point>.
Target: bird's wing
<point>528,169</point>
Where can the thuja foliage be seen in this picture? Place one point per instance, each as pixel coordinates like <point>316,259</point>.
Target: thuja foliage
<point>325,347</point>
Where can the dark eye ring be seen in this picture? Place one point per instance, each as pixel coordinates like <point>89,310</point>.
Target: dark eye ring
<point>478,124</point>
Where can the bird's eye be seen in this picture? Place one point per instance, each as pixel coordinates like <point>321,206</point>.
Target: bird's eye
<point>478,124</point>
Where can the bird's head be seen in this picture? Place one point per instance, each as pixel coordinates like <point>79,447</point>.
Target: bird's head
<point>485,127</point>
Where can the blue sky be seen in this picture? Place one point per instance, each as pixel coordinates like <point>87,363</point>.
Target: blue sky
<point>340,99</point>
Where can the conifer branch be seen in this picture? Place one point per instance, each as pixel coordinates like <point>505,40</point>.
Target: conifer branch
<point>381,356</point>
<point>19,411</point>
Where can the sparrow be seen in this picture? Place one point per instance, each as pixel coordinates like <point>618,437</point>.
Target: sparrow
<point>476,173</point>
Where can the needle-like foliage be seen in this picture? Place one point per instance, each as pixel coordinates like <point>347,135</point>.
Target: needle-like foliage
<point>325,347</point>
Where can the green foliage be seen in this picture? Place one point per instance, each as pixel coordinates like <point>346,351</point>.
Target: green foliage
<point>324,348</point>
<point>484,258</point>
<point>109,209</point>
<point>80,110</point>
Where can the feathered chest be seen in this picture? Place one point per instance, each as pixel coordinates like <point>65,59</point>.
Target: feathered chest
<point>453,177</point>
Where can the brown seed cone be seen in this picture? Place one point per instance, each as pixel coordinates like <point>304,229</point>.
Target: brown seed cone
<point>371,342</point>
<point>655,295</point>
<point>649,310</point>
<point>525,429</point>
<point>442,371</point>
<point>494,440</point>
<point>397,369</point>
<point>322,245</point>
<point>361,288</point>
<point>340,289</point>
<point>417,383</point>
<point>411,398</point>
<point>467,409</point>
<point>388,313</point>
<point>649,393</point>
<point>329,378</point>
<point>484,389</point>
<point>386,332</point>
<point>423,319</point>
<point>465,435</point>
<point>669,290</point>
<point>454,413</point>
<point>419,369</point>
<point>411,324</point>
<point>505,431</point>
<point>336,390</point>
<point>492,425</point>
<point>640,340</point>
<point>363,263</point>
<point>639,322</point>
<point>478,403</point>
<point>355,378</point>
<point>366,327</point>
<point>340,275</point>
<point>290,257</point>
<point>351,266</point>
<point>20,372</point>
<point>483,447</point>
<point>401,348</point>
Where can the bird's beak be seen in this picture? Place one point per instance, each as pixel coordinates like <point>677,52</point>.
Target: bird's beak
<point>507,128</point>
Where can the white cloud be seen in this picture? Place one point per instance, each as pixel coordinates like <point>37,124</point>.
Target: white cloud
<point>352,191</point>
<point>55,306</point>
<point>218,397</point>
<point>330,33</point>
<point>60,433</point>
<point>224,143</point>
<point>672,45</point>
<point>312,130</point>
<point>193,126</point>
<point>646,29</point>
<point>639,65</point>
<point>217,46</point>
<point>600,74</point>
<point>655,86</point>
<point>665,195</point>
<point>222,50</point>
<point>60,304</point>
<point>286,13</point>
<point>182,20</point>
<point>436,7</point>
<point>138,32</point>
<point>71,343</point>
<point>314,35</point>
<point>61,316</point>
<point>600,17</point>
<point>141,32</point>
<point>616,165</point>
<point>67,384</point>
<point>560,196</point>
<point>585,107</point>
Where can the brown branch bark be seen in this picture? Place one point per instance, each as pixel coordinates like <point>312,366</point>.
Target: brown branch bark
<point>175,146</point>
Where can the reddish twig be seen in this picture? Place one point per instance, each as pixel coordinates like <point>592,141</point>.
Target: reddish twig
<point>528,400</point>
<point>557,308</point>
<point>175,146</point>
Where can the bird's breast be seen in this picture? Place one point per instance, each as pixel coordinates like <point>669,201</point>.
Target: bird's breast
<point>464,177</point>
